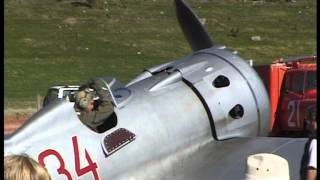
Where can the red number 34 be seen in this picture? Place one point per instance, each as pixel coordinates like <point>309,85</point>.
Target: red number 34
<point>92,167</point>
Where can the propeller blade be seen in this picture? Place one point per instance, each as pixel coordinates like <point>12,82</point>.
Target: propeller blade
<point>193,30</point>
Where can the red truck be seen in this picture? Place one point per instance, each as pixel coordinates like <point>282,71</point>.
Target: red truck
<point>292,87</point>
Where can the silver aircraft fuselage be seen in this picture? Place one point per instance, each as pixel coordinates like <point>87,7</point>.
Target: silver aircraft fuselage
<point>169,119</point>
<point>180,120</point>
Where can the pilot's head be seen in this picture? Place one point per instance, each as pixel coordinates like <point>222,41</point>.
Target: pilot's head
<point>23,167</point>
<point>84,100</point>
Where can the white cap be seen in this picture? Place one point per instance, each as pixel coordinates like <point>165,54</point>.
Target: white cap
<point>267,167</point>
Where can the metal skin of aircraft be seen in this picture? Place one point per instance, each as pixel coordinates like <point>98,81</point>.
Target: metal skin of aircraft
<point>198,117</point>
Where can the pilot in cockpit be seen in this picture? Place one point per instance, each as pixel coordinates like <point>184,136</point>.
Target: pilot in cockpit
<point>89,112</point>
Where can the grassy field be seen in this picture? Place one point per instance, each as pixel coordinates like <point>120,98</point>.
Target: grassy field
<point>48,42</point>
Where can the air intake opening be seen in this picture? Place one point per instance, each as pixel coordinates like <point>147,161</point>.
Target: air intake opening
<point>236,112</point>
<point>221,81</point>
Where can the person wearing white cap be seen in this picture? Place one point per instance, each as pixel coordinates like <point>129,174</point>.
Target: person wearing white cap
<point>312,163</point>
<point>266,166</point>
<point>311,126</point>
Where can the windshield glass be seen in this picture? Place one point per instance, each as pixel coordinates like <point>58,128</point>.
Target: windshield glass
<point>69,95</point>
<point>311,81</point>
<point>51,96</point>
<point>294,81</point>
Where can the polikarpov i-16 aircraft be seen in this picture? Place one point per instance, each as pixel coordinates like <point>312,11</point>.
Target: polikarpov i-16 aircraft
<point>197,117</point>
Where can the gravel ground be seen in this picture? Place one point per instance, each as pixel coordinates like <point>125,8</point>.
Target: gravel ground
<point>14,121</point>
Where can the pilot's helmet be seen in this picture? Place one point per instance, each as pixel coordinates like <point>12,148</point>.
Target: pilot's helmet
<point>266,166</point>
<point>83,98</point>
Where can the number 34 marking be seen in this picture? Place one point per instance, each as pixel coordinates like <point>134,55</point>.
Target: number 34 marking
<point>92,167</point>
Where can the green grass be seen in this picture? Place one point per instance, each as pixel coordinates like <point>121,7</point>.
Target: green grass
<point>49,42</point>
